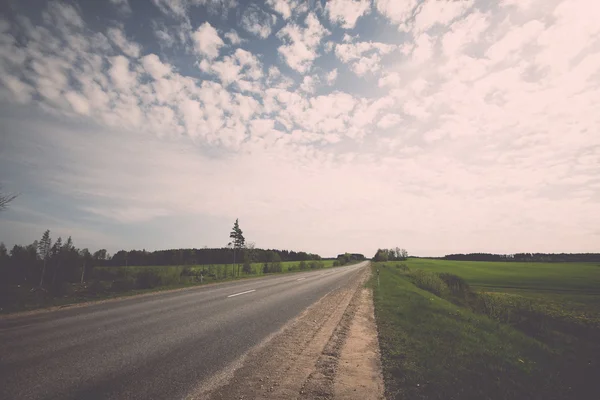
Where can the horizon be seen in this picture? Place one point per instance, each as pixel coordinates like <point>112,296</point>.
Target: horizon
<point>325,127</point>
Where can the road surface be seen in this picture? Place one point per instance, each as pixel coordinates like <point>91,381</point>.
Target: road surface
<point>152,347</point>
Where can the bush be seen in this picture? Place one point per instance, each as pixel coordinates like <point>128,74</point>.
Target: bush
<point>336,263</point>
<point>457,285</point>
<point>303,265</point>
<point>147,279</point>
<point>430,282</point>
<point>123,284</point>
<point>61,289</point>
<point>316,264</point>
<point>97,287</point>
<point>402,267</point>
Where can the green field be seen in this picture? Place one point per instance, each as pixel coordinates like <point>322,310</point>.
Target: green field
<point>509,330</point>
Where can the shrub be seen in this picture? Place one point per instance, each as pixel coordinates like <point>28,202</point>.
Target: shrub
<point>316,264</point>
<point>402,267</point>
<point>123,284</point>
<point>429,281</point>
<point>303,265</point>
<point>62,289</point>
<point>336,263</point>
<point>457,285</point>
<point>147,279</point>
<point>97,287</point>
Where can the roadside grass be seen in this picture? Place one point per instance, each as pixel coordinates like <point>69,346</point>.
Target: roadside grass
<point>459,343</point>
<point>111,282</point>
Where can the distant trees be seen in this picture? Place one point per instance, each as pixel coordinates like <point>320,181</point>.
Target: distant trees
<point>273,264</point>
<point>395,254</point>
<point>347,258</point>
<point>50,264</point>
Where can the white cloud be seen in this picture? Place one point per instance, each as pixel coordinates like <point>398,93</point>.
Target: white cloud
<point>257,21</point>
<point>122,6</point>
<point>120,73</point>
<point>128,47</point>
<point>155,67</point>
<point>288,7</point>
<point>432,13</point>
<point>332,76</point>
<point>242,68</point>
<point>301,44</point>
<point>363,57</point>
<point>492,133</point>
<point>389,120</point>
<point>207,42</point>
<point>164,38</point>
<point>308,84</point>
<point>233,37</point>
<point>347,12</point>
<point>397,11</point>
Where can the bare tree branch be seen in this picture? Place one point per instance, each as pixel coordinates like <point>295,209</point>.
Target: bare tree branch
<point>5,198</point>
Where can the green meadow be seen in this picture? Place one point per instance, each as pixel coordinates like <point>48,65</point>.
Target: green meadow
<point>488,330</point>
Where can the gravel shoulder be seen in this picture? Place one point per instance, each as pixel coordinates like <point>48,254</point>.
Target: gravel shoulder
<point>305,358</point>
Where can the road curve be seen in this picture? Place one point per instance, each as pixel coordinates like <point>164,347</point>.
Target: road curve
<point>152,347</point>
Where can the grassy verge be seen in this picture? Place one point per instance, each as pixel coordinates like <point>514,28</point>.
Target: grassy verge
<point>112,282</point>
<point>443,348</point>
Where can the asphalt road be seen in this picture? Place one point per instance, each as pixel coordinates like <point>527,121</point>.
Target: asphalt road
<point>153,347</point>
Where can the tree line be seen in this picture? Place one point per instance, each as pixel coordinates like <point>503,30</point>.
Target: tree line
<point>395,254</point>
<point>526,257</point>
<point>48,263</point>
<point>348,258</point>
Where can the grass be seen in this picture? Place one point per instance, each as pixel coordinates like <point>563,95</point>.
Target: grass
<point>463,342</point>
<point>500,276</point>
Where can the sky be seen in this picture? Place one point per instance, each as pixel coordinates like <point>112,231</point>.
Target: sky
<point>324,126</point>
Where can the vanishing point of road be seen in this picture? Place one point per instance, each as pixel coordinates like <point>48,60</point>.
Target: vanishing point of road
<point>160,346</point>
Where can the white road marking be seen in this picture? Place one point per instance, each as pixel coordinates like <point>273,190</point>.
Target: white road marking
<point>237,294</point>
<point>300,279</point>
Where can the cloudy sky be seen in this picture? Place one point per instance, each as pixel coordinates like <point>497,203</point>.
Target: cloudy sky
<point>324,126</point>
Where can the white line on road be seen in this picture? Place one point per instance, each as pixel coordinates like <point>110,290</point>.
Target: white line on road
<point>237,294</point>
<point>300,279</point>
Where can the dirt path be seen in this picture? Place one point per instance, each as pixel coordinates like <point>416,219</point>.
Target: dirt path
<point>302,360</point>
<point>359,371</point>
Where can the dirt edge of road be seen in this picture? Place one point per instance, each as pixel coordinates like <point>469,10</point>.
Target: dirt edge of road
<point>360,374</point>
<point>301,360</point>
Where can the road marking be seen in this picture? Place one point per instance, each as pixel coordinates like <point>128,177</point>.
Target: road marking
<point>300,279</point>
<point>237,294</point>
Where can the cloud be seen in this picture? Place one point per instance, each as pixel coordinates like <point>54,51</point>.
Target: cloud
<point>432,13</point>
<point>207,42</point>
<point>233,37</point>
<point>482,121</point>
<point>397,11</point>
<point>179,8</point>
<point>257,21</point>
<point>287,7</point>
<point>347,12</point>
<point>332,76</point>
<point>242,68</point>
<point>155,67</point>
<point>128,47</point>
<point>122,6</point>
<point>300,44</point>
<point>363,57</point>
<point>389,120</point>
